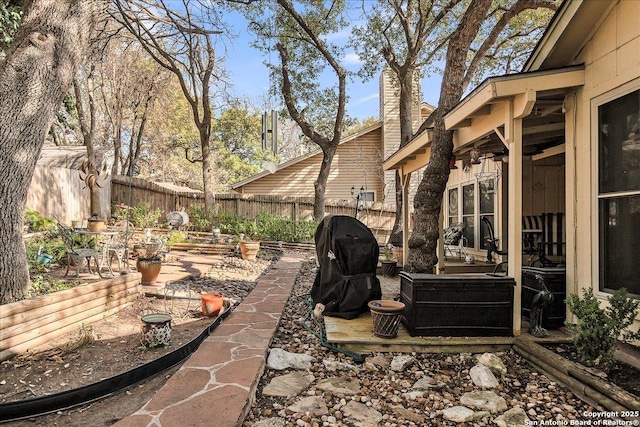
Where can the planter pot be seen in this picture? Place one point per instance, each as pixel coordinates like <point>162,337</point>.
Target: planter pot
<point>389,268</point>
<point>211,304</point>
<point>249,250</point>
<point>386,315</point>
<point>96,225</point>
<point>156,330</point>
<point>150,269</point>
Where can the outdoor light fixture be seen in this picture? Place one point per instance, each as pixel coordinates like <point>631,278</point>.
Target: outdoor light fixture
<point>475,156</point>
<point>358,198</point>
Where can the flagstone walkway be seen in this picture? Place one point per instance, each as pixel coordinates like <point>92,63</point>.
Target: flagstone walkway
<point>216,385</point>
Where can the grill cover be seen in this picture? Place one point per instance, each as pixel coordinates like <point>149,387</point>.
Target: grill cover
<point>348,256</point>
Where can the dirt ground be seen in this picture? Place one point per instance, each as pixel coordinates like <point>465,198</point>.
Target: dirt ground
<point>107,348</point>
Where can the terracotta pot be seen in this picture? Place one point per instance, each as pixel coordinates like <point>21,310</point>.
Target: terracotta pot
<point>249,249</point>
<point>96,225</point>
<point>150,269</point>
<point>386,315</point>
<point>211,304</point>
<point>156,330</point>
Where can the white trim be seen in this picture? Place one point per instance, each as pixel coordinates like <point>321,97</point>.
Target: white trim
<point>596,102</point>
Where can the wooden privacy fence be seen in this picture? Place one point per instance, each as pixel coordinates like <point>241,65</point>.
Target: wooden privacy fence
<point>377,216</point>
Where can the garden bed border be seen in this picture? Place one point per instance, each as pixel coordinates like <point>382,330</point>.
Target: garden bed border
<point>28,324</point>
<point>587,386</point>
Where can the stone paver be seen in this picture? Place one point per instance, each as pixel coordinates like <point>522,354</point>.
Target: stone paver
<point>216,385</point>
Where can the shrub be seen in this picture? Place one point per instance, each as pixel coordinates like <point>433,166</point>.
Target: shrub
<point>597,330</point>
<point>267,227</point>
<point>37,222</point>
<point>176,237</point>
<point>198,218</point>
<point>140,215</point>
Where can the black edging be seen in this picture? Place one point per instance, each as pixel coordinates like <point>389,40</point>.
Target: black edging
<point>42,405</point>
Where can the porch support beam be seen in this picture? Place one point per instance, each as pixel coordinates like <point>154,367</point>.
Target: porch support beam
<point>513,137</point>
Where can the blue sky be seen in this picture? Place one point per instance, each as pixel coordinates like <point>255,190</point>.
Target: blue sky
<point>250,77</point>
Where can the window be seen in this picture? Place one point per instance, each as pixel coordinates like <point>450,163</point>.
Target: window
<point>468,214</point>
<point>487,207</point>
<point>472,209</point>
<point>619,193</point>
<point>453,206</point>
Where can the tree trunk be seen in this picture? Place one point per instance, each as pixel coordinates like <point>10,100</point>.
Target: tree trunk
<point>36,73</point>
<point>406,134</point>
<point>427,203</point>
<point>320,185</point>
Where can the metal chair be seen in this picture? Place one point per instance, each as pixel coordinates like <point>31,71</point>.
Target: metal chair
<point>492,241</point>
<point>118,246</point>
<point>77,254</point>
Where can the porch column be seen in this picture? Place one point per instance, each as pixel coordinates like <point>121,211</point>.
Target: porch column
<point>513,139</point>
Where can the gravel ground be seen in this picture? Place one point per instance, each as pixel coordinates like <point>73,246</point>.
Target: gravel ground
<point>390,393</point>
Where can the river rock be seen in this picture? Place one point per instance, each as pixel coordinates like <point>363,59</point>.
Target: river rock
<point>483,377</point>
<point>280,359</point>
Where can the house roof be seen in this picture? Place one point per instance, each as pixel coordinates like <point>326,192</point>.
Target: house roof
<point>299,159</point>
<point>571,27</point>
<point>540,88</point>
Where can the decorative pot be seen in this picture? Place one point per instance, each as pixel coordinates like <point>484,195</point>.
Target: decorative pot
<point>216,232</point>
<point>156,330</point>
<point>211,304</point>
<point>249,249</point>
<point>96,225</point>
<point>150,269</point>
<point>389,268</point>
<point>386,315</point>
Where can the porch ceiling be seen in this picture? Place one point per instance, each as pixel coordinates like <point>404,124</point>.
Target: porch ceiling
<point>536,97</point>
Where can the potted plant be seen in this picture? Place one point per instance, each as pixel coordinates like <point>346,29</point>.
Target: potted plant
<point>249,242</point>
<point>149,260</point>
<point>389,261</point>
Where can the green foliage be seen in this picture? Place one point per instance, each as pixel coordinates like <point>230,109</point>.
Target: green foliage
<point>267,227</point>
<point>597,330</point>
<point>10,17</point>
<point>199,218</point>
<point>37,222</point>
<point>176,237</point>
<point>51,244</point>
<point>140,215</point>
<point>236,136</point>
<point>43,285</point>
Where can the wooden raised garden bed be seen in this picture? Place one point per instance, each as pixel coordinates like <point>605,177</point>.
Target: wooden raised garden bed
<point>31,323</point>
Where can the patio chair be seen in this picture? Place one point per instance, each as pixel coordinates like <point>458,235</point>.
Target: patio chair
<point>118,246</point>
<point>76,253</point>
<point>454,240</point>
